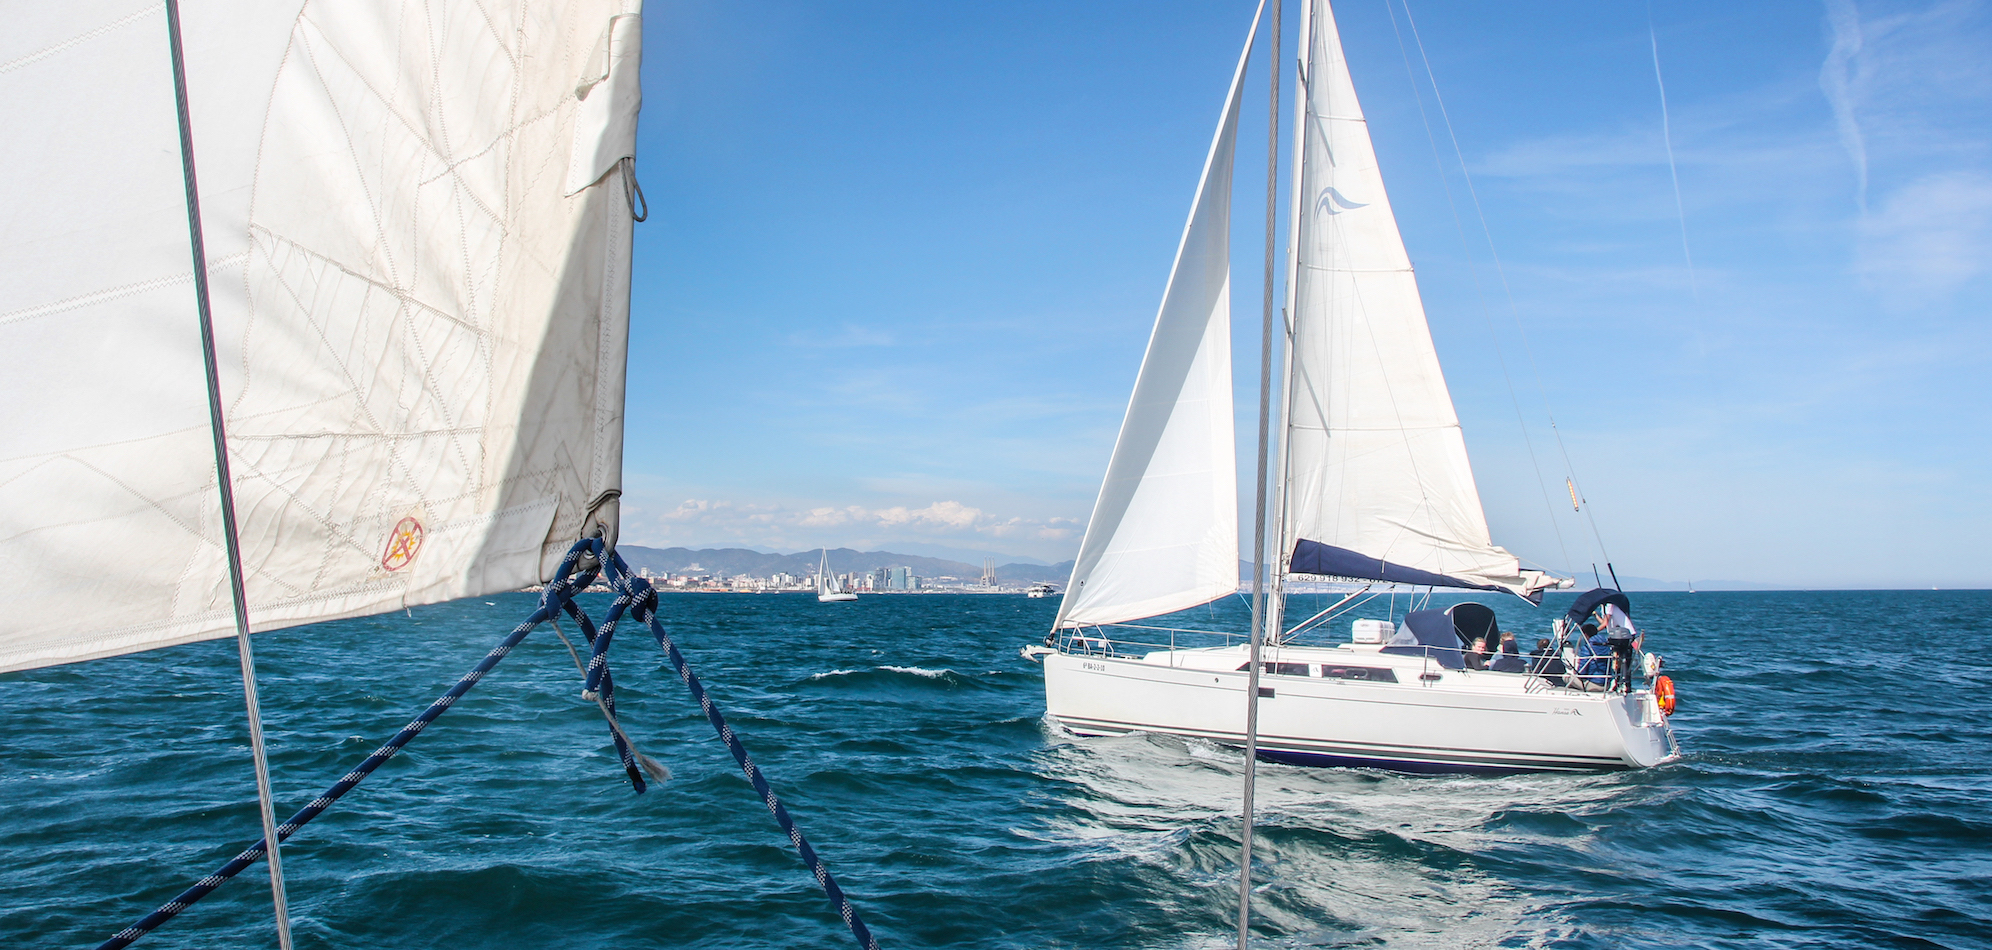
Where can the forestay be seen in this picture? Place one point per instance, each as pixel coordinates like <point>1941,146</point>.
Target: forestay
<point>1164,532</point>
<point>419,256</point>
<point>1377,480</point>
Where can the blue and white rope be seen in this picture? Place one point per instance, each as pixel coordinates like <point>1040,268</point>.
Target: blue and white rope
<point>639,590</point>
<point>557,597</point>
<point>552,599</point>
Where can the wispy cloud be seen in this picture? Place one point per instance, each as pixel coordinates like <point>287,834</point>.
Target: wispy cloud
<point>1930,236</point>
<point>1837,78</point>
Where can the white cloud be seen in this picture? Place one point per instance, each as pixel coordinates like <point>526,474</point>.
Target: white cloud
<point>1930,236</point>
<point>699,520</point>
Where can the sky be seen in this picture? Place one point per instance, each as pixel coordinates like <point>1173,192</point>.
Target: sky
<point>903,259</point>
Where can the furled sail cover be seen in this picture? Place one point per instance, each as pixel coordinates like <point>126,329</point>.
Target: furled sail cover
<point>1377,482</point>
<point>1164,533</point>
<point>421,334</point>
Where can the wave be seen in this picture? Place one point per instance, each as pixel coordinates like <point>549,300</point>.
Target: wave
<point>889,676</point>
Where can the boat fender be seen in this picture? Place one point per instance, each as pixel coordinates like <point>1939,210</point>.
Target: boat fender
<point>1663,693</point>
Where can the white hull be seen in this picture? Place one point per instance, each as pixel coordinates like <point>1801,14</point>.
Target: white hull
<point>1429,720</point>
<point>835,598</point>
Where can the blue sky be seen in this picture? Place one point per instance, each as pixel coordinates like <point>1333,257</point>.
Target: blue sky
<point>903,258</point>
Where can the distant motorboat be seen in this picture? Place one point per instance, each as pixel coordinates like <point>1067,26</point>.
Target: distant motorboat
<point>830,588</point>
<point>1040,590</point>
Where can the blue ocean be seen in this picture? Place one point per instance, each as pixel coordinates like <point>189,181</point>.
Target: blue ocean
<point>1835,791</point>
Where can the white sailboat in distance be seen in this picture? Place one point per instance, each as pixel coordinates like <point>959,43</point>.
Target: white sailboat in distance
<point>1371,484</point>
<point>829,587</point>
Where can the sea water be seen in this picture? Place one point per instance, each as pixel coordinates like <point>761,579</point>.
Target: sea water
<point>1835,790</point>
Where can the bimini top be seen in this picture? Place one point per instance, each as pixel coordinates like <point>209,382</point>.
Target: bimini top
<point>1593,599</point>
<point>1428,633</point>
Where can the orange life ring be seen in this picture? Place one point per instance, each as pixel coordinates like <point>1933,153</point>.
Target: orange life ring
<point>1663,693</point>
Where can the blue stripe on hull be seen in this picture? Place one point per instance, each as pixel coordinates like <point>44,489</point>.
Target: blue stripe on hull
<point>1323,760</point>
<point>1419,761</point>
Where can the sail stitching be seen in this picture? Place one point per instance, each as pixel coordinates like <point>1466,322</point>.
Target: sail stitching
<point>79,39</point>
<point>109,294</point>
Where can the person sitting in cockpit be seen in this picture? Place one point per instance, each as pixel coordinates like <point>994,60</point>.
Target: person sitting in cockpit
<point>1544,661</point>
<point>1509,660</point>
<point>1475,654</point>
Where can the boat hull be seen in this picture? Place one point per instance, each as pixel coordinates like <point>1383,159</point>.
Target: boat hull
<point>1430,720</point>
<point>835,598</point>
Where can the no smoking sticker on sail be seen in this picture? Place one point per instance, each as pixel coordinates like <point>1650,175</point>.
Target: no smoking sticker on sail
<point>402,543</point>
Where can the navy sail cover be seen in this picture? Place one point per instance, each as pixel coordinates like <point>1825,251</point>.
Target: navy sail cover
<point>1313,557</point>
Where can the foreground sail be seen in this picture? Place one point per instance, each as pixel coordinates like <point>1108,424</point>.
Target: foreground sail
<point>419,247</point>
<point>1164,532</point>
<point>1377,481</point>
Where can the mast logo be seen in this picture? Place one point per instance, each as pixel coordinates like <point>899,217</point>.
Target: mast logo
<point>402,543</point>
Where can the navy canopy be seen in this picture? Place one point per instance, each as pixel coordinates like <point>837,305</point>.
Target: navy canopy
<point>1593,599</point>
<point>1472,622</point>
<point>1428,633</point>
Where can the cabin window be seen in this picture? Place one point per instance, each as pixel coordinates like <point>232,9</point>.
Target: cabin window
<point>1370,673</point>
<point>1279,669</point>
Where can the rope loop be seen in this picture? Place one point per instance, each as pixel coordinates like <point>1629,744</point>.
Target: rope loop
<point>634,191</point>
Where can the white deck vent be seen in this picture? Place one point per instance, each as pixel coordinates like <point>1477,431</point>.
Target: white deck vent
<point>1373,631</point>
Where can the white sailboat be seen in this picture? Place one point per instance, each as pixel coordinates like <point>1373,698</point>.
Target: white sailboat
<point>830,587</point>
<point>1371,484</point>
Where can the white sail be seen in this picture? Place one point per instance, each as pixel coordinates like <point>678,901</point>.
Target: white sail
<point>1377,483</point>
<point>1164,532</point>
<point>420,315</point>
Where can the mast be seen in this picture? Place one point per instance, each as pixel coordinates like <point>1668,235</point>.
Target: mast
<point>231,536</point>
<point>1259,484</point>
<point>1283,546</point>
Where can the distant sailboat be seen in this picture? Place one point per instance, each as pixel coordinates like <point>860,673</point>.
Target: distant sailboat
<point>829,587</point>
<point>1372,484</point>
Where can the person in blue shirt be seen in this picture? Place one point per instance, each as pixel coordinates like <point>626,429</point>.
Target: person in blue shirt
<point>1594,657</point>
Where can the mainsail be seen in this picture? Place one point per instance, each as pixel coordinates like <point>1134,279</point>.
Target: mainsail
<point>418,244</point>
<point>1376,483</point>
<point>1164,532</point>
